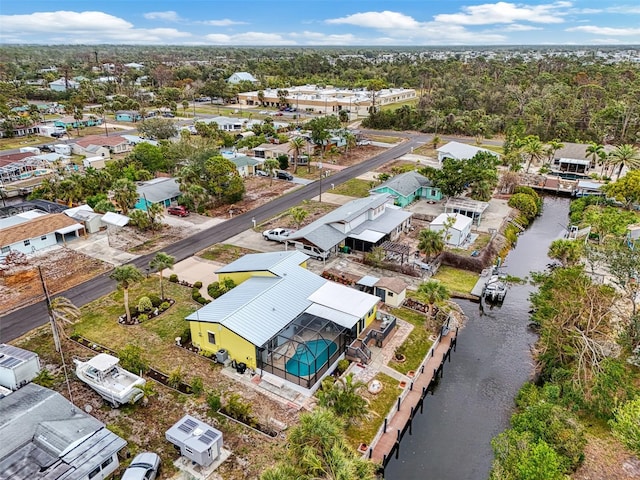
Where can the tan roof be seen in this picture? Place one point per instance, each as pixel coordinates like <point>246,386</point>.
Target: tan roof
<point>392,284</point>
<point>34,228</point>
<point>101,140</point>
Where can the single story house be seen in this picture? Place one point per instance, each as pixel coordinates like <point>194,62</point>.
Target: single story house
<point>101,145</point>
<point>408,187</point>
<point>360,225</point>
<point>246,165</point>
<point>390,290</point>
<point>34,230</point>
<point>128,116</point>
<point>70,122</point>
<point>63,84</point>
<point>577,151</point>
<point>160,190</point>
<point>44,436</point>
<point>226,124</point>
<point>466,206</point>
<point>265,151</point>
<point>135,140</point>
<point>456,227</point>
<point>281,319</point>
<point>460,151</point>
<point>238,77</point>
<point>97,162</point>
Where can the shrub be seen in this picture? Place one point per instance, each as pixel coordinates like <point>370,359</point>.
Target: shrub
<point>197,285</point>
<point>185,337</point>
<point>131,359</point>
<point>239,409</point>
<point>173,278</point>
<point>526,204</point>
<point>213,400</point>
<point>625,425</point>
<point>144,304</point>
<point>197,386</point>
<point>201,300</point>
<point>44,378</point>
<point>155,300</point>
<point>342,366</point>
<point>163,306</point>
<point>175,378</point>
<point>195,293</point>
<point>143,317</point>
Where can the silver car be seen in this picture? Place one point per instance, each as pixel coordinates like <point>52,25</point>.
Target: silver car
<point>144,466</point>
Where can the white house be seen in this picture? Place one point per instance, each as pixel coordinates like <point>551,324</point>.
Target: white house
<point>242,77</point>
<point>62,85</point>
<point>460,151</point>
<point>455,227</point>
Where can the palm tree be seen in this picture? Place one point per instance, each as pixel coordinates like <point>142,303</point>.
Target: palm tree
<point>534,148</point>
<point>551,148</point>
<point>298,214</point>
<point>161,261</point>
<point>432,292</point>
<point>61,310</point>
<point>271,165</point>
<point>296,145</point>
<point>125,276</point>
<point>625,156</point>
<point>349,141</point>
<point>594,150</point>
<point>430,243</point>
<point>125,194</point>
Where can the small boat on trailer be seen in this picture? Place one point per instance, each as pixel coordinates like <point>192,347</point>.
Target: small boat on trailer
<point>495,289</point>
<point>116,385</point>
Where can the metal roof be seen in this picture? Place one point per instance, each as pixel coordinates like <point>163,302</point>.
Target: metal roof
<point>344,299</point>
<point>462,221</point>
<point>11,357</point>
<point>258,262</point>
<point>159,189</point>
<point>45,436</point>
<point>368,281</point>
<point>112,218</point>
<point>406,183</point>
<point>462,151</point>
<point>391,218</point>
<point>193,433</point>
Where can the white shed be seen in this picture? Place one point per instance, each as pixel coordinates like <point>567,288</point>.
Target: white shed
<point>17,366</point>
<point>62,149</point>
<point>455,227</point>
<point>198,441</point>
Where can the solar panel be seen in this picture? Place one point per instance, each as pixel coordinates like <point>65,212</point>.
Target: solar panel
<point>206,440</point>
<point>10,362</point>
<point>187,426</point>
<point>208,437</point>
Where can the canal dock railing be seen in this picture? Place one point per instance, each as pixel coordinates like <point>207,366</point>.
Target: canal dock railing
<point>386,443</point>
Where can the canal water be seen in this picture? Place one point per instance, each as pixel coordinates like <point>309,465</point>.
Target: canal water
<point>473,402</point>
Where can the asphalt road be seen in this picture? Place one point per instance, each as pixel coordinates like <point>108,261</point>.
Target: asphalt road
<point>21,321</point>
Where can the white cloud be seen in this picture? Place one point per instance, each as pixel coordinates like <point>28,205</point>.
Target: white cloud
<point>605,30</point>
<point>624,9</point>
<point>518,27</point>
<point>318,38</point>
<point>382,20</point>
<point>249,38</point>
<point>225,22</point>
<point>504,12</point>
<point>80,28</point>
<point>169,16</point>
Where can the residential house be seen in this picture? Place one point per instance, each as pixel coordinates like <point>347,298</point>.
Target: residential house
<point>70,122</point>
<point>34,230</point>
<point>572,157</point>
<point>128,116</point>
<point>455,227</point>
<point>246,165</point>
<point>408,187</point>
<point>135,140</point>
<point>63,84</point>
<point>474,209</point>
<point>226,124</point>
<point>360,225</point>
<point>46,437</point>
<point>238,77</point>
<point>160,190</point>
<point>101,145</point>
<point>282,319</point>
<point>460,151</point>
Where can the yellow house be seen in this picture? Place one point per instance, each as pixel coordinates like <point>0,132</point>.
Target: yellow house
<point>281,318</point>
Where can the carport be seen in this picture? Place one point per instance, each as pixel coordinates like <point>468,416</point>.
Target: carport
<point>68,233</point>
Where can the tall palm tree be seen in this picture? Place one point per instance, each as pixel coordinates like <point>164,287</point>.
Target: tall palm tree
<point>432,292</point>
<point>61,310</point>
<point>296,145</point>
<point>125,194</point>
<point>534,148</point>
<point>625,156</point>
<point>160,262</point>
<point>271,165</point>
<point>430,243</point>
<point>594,150</point>
<point>349,141</point>
<point>551,148</point>
<point>125,276</point>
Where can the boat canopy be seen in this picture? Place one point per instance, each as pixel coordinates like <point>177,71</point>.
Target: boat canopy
<point>103,362</point>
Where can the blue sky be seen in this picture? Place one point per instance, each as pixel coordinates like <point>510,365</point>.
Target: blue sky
<point>321,22</point>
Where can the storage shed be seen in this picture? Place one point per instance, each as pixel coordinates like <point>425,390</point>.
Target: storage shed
<point>197,440</point>
<point>17,366</point>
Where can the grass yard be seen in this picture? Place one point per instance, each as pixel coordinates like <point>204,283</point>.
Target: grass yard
<point>379,405</point>
<point>417,344</point>
<point>224,253</point>
<point>456,280</point>
<point>17,142</point>
<point>384,139</point>
<point>353,188</point>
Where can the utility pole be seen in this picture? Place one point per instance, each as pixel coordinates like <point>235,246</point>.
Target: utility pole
<point>320,196</point>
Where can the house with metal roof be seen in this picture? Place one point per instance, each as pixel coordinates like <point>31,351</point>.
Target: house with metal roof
<point>360,225</point>
<point>407,187</point>
<point>44,436</point>
<point>245,165</point>
<point>281,319</point>
<point>460,151</point>
<point>238,77</point>
<point>160,190</point>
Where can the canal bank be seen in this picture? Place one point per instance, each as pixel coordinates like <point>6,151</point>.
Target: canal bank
<point>451,439</point>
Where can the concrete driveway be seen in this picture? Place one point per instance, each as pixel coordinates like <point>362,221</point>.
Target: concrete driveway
<point>97,246</point>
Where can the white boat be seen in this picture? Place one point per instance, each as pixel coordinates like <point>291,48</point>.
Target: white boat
<point>115,384</point>
<point>495,289</point>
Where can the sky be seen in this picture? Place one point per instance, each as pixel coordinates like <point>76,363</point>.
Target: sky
<point>321,22</point>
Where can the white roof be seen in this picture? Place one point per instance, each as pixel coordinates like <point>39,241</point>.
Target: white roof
<point>367,236</point>
<point>72,211</point>
<point>103,362</point>
<point>462,151</point>
<point>340,318</point>
<point>344,299</point>
<point>462,221</point>
<point>575,161</point>
<point>71,228</point>
<point>112,218</point>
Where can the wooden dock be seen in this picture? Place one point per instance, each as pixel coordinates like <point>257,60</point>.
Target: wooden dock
<point>399,419</point>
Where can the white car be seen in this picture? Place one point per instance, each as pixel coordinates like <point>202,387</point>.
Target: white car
<point>262,173</point>
<point>277,234</point>
<point>144,467</point>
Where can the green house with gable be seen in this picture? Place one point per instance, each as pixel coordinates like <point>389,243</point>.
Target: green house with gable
<point>408,187</point>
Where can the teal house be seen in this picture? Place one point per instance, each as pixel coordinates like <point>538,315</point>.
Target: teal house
<point>158,190</point>
<point>128,116</point>
<point>408,187</point>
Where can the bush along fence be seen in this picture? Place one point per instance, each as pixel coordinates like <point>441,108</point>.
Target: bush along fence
<point>167,380</point>
<point>386,443</point>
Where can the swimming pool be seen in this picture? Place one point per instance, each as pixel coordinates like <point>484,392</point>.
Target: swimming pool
<point>310,357</point>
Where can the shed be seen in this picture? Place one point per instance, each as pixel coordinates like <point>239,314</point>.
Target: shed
<point>94,162</point>
<point>456,233</point>
<point>84,213</point>
<point>391,290</point>
<point>197,440</point>
<point>17,366</point>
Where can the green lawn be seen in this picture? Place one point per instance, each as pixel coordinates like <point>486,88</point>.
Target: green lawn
<point>17,142</point>
<point>353,188</point>
<point>417,344</point>
<point>224,253</point>
<point>384,139</point>
<point>379,406</point>
<point>456,280</point>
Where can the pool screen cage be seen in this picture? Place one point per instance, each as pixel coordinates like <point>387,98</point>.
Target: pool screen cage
<point>302,352</point>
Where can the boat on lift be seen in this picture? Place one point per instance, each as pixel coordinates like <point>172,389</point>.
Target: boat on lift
<point>495,289</point>
<point>104,374</point>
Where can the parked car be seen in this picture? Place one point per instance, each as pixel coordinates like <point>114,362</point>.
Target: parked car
<point>144,466</point>
<point>262,173</point>
<point>46,148</point>
<point>284,175</point>
<point>58,134</point>
<point>203,99</point>
<point>168,115</point>
<point>277,234</point>
<point>178,210</point>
